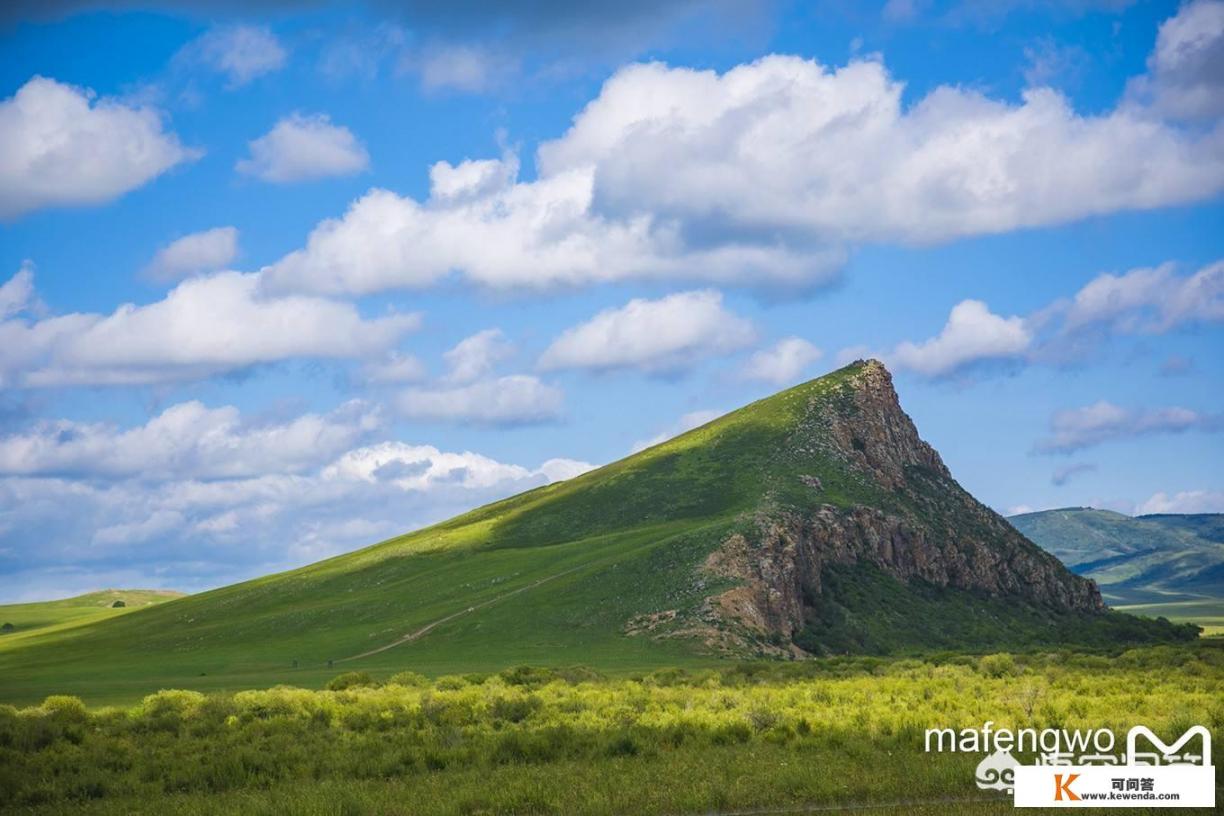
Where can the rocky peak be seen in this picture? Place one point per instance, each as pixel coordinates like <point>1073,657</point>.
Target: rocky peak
<point>868,430</point>
<point>925,528</point>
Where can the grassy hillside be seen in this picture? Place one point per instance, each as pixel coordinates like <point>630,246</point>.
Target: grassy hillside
<point>1143,560</point>
<point>68,612</point>
<point>612,543</point>
<point>549,577</point>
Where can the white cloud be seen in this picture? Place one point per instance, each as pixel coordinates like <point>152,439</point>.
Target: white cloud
<point>765,175</point>
<point>972,334</point>
<point>691,420</point>
<point>396,367</point>
<point>304,147</point>
<point>500,233</point>
<point>1186,70</point>
<point>195,533</point>
<point>558,470</point>
<point>784,143</point>
<point>60,145</point>
<point>1148,300</point>
<point>1152,300</point>
<point>187,440</point>
<point>1077,428</point>
<point>475,356</point>
<point>240,52</point>
<point>783,362</point>
<point>513,400</point>
<point>203,326</point>
<point>17,293</point>
<point>1188,501</point>
<point>204,251</point>
<point>664,335</point>
<point>458,67</point>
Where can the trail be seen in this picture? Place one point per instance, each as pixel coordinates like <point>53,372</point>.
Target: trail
<point>427,628</point>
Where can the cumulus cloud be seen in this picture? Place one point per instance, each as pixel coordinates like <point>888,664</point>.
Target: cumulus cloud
<point>691,420</point>
<point>1150,300</point>
<point>188,440</point>
<point>240,52</point>
<point>61,145</point>
<point>973,334</point>
<point>1187,501</point>
<point>1185,76</point>
<point>204,251</point>
<point>661,336</point>
<point>204,326</point>
<point>514,400</point>
<point>495,231</point>
<point>475,356</point>
<point>783,362</point>
<point>1078,428</point>
<point>287,493</point>
<point>300,148</point>
<point>396,367</point>
<point>786,143</point>
<point>768,174</point>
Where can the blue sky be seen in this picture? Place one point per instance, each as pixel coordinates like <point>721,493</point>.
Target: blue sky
<point>284,280</point>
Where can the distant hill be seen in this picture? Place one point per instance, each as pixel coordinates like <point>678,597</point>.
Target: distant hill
<point>815,521</point>
<point>1135,560</point>
<point>92,606</point>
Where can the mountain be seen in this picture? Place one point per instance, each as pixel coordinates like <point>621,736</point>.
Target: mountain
<point>815,521</point>
<point>1139,560</point>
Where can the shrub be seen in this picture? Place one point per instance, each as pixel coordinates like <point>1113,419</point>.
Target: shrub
<point>408,679</point>
<point>118,605</point>
<point>348,680</point>
<point>8,627</point>
<point>998,665</point>
<point>169,709</point>
<point>65,708</point>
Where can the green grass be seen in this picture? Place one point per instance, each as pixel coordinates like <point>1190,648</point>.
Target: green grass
<point>825,733</point>
<point>1206,613</point>
<point>63,614</point>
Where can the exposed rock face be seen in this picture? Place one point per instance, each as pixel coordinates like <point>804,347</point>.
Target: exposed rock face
<point>934,531</point>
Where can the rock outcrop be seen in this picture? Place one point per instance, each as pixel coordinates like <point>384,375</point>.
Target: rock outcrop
<point>930,529</point>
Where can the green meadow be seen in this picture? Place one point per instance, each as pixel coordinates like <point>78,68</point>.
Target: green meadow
<point>765,736</point>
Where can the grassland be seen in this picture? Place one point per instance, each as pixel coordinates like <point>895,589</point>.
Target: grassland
<point>78,610</point>
<point>825,733</point>
<point>1207,613</point>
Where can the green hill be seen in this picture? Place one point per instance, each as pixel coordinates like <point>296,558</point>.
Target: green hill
<point>32,617</point>
<point>1141,560</point>
<point>812,522</point>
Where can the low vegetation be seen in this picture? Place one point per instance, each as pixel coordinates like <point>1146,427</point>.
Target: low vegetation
<point>572,741</point>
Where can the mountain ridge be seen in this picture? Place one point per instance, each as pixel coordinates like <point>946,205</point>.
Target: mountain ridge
<point>1135,559</point>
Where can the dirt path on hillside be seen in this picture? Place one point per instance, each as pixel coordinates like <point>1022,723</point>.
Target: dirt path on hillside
<point>427,628</point>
